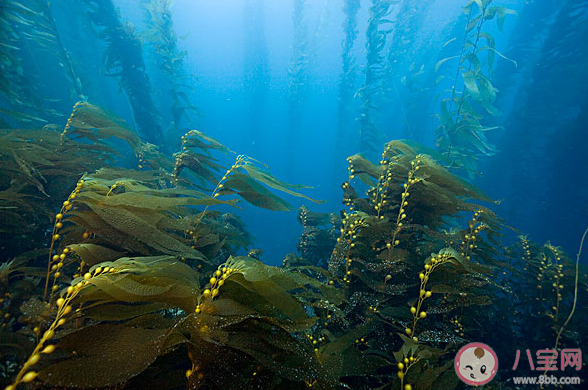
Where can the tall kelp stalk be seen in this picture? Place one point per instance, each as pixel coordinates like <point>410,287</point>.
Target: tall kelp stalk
<point>124,59</point>
<point>27,28</point>
<point>348,74</point>
<point>550,97</point>
<point>406,77</point>
<point>257,73</point>
<point>170,61</point>
<point>297,74</point>
<point>461,136</point>
<point>372,90</point>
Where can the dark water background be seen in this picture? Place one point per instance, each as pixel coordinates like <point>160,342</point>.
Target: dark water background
<point>241,51</point>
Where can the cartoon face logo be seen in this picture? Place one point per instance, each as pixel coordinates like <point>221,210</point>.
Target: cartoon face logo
<point>476,364</point>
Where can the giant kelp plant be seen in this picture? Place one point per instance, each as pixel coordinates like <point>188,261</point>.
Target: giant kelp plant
<point>123,58</point>
<point>404,70</point>
<point>297,72</point>
<point>461,136</point>
<point>348,72</point>
<point>371,91</point>
<point>170,61</point>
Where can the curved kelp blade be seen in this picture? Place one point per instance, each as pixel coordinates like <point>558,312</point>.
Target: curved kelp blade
<point>89,364</point>
<point>270,181</point>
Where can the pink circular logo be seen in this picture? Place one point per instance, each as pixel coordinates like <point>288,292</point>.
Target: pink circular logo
<point>476,364</point>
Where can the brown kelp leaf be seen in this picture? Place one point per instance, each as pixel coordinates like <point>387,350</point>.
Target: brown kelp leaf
<point>356,363</point>
<point>430,378</point>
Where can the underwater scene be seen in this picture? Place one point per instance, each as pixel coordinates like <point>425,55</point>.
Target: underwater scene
<point>293,194</point>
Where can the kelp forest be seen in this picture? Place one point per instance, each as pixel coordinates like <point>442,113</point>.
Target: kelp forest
<point>127,258</point>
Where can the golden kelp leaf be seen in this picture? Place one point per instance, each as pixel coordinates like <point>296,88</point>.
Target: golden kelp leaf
<point>132,225</point>
<point>197,139</point>
<point>93,254</point>
<point>332,354</point>
<point>444,179</point>
<point>153,178</point>
<point>267,292</point>
<point>148,279</point>
<point>141,200</point>
<point>254,193</point>
<point>266,298</point>
<point>227,307</point>
<point>115,238</point>
<point>255,270</point>
<point>267,179</point>
<point>118,312</point>
<point>104,355</point>
<point>364,169</point>
<point>203,166</point>
<point>95,124</point>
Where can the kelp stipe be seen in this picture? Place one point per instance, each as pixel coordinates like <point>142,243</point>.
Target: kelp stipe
<point>575,301</point>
